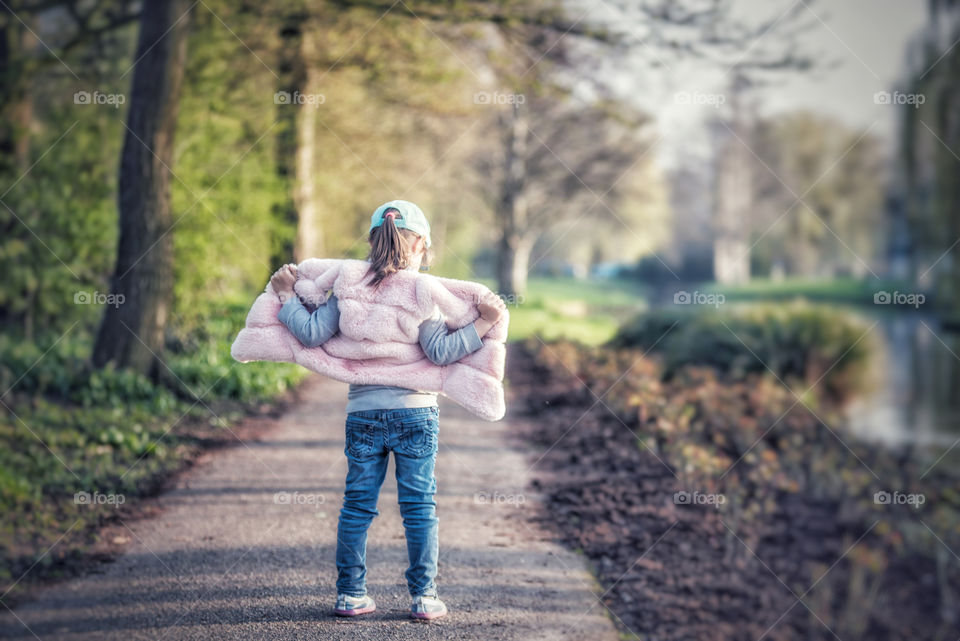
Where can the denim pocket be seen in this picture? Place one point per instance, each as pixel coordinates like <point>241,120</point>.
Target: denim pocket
<point>359,437</point>
<point>418,435</point>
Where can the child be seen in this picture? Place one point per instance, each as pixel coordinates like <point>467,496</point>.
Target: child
<point>381,418</point>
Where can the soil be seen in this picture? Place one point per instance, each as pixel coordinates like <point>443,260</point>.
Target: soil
<point>679,572</point>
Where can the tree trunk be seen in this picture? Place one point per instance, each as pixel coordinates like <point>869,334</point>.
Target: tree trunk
<point>16,104</point>
<point>731,248</point>
<point>293,74</point>
<point>309,242</point>
<point>513,250</point>
<point>132,332</point>
<point>16,113</point>
<point>948,126</point>
<point>512,266</point>
<point>733,196</point>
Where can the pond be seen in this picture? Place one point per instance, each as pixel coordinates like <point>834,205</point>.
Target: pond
<point>914,395</point>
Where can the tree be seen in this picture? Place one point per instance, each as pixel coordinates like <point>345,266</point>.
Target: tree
<point>132,332</point>
<point>316,42</point>
<point>22,57</point>
<point>691,28</point>
<point>516,234</point>
<point>930,154</point>
<point>561,163</point>
<point>41,261</point>
<point>297,131</point>
<point>733,193</point>
<point>835,229</point>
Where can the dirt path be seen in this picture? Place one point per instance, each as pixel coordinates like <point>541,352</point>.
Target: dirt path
<point>228,559</point>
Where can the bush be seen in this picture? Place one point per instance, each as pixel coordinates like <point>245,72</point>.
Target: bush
<point>797,341</point>
<point>200,357</point>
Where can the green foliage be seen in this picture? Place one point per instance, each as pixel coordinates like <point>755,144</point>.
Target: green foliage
<point>57,368</point>
<point>200,358</point>
<point>59,231</point>
<point>72,428</point>
<point>793,341</point>
<point>229,190</point>
<point>49,451</point>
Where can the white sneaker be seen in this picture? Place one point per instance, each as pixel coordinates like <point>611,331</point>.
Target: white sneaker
<point>351,606</point>
<point>427,607</point>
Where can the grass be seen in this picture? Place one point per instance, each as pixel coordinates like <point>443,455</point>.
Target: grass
<point>588,311</point>
<point>850,290</point>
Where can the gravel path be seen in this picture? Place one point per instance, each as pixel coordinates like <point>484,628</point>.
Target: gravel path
<point>230,558</point>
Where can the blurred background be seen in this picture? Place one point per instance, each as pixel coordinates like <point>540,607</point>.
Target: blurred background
<point>765,189</point>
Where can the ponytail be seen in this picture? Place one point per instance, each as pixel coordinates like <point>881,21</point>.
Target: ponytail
<point>389,249</point>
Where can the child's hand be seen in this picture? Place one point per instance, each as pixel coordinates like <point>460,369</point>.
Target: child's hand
<point>491,308</point>
<point>283,280</point>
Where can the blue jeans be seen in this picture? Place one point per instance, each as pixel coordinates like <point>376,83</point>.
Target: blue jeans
<point>411,433</point>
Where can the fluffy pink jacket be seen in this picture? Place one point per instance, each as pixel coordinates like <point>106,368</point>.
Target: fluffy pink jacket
<point>378,341</point>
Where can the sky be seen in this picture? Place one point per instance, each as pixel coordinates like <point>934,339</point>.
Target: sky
<point>865,40</point>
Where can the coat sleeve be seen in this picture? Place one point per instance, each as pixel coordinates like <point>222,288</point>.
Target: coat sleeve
<point>311,329</point>
<point>443,346</point>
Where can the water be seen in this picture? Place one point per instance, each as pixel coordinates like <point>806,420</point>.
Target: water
<point>914,397</point>
<point>913,394</point>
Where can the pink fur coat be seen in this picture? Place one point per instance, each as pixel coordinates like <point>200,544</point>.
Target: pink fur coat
<point>378,341</point>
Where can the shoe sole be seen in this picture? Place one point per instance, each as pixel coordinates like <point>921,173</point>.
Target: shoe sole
<point>353,613</point>
<point>427,616</point>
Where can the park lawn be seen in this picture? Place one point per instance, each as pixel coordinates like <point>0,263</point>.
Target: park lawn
<point>848,290</point>
<point>588,311</point>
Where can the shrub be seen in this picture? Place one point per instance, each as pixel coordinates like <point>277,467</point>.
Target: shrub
<point>796,341</point>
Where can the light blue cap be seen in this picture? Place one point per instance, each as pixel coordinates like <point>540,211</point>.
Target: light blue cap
<point>410,217</point>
